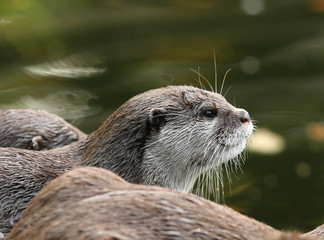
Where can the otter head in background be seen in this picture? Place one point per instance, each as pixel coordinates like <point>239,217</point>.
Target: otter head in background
<point>36,130</point>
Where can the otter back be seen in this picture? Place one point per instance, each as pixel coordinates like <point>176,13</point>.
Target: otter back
<point>93,203</point>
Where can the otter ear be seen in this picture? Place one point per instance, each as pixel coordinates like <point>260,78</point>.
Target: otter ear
<point>157,118</point>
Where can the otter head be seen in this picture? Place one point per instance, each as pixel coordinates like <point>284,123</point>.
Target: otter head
<point>195,131</point>
<point>169,136</point>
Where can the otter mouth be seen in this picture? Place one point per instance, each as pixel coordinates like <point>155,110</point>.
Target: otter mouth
<point>227,153</point>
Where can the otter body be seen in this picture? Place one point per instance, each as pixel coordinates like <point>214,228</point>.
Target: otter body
<point>93,203</point>
<point>165,137</point>
<point>35,130</point>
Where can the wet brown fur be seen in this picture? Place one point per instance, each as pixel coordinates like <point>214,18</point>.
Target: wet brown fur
<point>93,203</point>
<point>317,233</point>
<point>35,130</point>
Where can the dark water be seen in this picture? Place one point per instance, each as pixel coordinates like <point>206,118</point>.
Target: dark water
<point>82,59</point>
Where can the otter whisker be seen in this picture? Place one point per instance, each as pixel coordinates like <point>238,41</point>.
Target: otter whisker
<point>202,86</point>
<point>220,137</point>
<point>215,69</point>
<point>207,180</point>
<point>219,183</point>
<point>230,166</point>
<point>203,77</point>
<point>200,179</point>
<point>196,171</point>
<point>213,178</point>
<point>238,162</point>
<point>210,178</point>
<point>241,159</point>
<point>198,68</point>
<point>200,190</point>
<point>229,177</point>
<point>228,173</point>
<point>227,91</point>
<point>224,81</point>
<point>217,178</point>
<point>233,165</point>
<point>209,144</point>
<point>214,154</point>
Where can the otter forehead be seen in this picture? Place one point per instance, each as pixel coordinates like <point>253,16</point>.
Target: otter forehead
<point>187,95</point>
<point>198,96</point>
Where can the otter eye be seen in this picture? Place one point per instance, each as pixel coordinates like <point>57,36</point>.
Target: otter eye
<point>210,114</point>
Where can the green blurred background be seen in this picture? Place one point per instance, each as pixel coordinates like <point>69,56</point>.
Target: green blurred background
<point>82,59</point>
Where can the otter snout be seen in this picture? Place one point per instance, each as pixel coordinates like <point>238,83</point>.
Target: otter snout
<point>244,119</point>
<point>243,116</point>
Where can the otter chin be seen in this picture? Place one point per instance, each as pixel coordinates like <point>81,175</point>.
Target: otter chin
<point>165,137</point>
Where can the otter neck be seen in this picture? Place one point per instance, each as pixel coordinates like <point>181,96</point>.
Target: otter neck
<point>71,154</point>
<point>118,145</point>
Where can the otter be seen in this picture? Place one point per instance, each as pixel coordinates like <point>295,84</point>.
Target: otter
<point>94,203</point>
<point>35,130</point>
<point>165,137</point>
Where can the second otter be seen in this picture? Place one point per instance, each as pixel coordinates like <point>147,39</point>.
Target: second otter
<point>35,130</point>
<point>164,137</point>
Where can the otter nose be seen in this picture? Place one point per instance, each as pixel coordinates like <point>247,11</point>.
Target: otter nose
<point>243,116</point>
